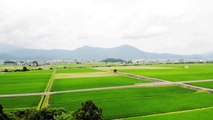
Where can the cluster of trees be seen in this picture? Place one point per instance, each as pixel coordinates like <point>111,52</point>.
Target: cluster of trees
<point>20,70</point>
<point>88,111</point>
<point>16,70</point>
<point>113,60</point>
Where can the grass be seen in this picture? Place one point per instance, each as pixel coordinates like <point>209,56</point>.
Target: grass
<point>176,72</point>
<point>203,84</point>
<point>24,82</point>
<point>203,114</point>
<point>76,70</point>
<point>14,103</point>
<point>121,103</point>
<point>93,82</point>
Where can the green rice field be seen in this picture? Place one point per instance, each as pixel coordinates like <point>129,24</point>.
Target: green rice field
<point>176,72</point>
<point>14,103</point>
<point>203,84</point>
<point>162,102</point>
<point>205,114</point>
<point>122,103</point>
<point>76,70</point>
<point>93,82</point>
<point>24,82</point>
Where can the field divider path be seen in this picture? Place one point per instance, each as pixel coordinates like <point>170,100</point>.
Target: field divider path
<point>154,84</point>
<point>45,97</point>
<point>142,77</point>
<point>181,83</point>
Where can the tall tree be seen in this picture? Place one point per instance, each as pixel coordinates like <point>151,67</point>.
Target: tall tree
<point>88,111</point>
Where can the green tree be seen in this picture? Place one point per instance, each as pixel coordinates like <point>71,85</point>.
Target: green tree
<point>115,70</point>
<point>33,114</point>
<point>88,111</point>
<point>2,115</point>
<point>25,68</point>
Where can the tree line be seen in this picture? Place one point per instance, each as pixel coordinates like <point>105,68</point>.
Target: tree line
<point>87,111</point>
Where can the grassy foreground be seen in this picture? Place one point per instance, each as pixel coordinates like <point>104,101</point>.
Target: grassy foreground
<point>121,103</point>
<point>203,114</point>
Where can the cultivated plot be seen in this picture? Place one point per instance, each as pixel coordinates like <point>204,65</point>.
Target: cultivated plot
<point>122,103</point>
<point>93,82</point>
<point>203,84</point>
<point>77,70</point>
<point>24,82</point>
<point>203,114</point>
<point>180,72</point>
<point>14,103</point>
<point>80,75</point>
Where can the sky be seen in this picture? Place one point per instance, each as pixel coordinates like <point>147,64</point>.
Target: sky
<point>163,26</point>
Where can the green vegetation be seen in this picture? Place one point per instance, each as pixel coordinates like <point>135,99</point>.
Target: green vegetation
<point>121,103</point>
<point>176,72</point>
<point>24,82</point>
<point>33,114</point>
<point>92,82</point>
<point>3,116</point>
<point>88,111</point>
<point>13,103</point>
<point>113,60</point>
<point>129,103</point>
<point>76,70</point>
<point>205,114</point>
<point>203,84</point>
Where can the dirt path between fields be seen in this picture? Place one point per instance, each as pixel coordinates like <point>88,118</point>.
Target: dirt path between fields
<point>141,77</point>
<point>45,97</point>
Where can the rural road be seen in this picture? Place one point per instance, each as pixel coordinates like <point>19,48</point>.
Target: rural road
<point>182,84</point>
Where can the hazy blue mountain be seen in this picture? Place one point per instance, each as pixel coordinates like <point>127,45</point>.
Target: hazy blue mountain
<point>126,52</point>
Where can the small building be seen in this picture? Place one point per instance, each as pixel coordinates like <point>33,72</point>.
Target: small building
<point>10,63</point>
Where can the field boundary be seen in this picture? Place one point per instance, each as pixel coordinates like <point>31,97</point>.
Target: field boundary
<point>142,77</point>
<point>154,84</point>
<point>45,98</point>
<point>168,113</point>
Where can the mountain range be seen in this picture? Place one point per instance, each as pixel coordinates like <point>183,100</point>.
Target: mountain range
<point>87,53</point>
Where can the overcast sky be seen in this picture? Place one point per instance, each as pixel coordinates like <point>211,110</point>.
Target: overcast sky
<point>172,26</point>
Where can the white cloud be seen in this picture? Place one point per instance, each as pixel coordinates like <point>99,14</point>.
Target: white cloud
<point>151,25</point>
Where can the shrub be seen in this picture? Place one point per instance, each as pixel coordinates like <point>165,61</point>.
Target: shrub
<point>33,114</point>
<point>2,115</point>
<point>25,68</point>
<point>6,70</point>
<point>115,70</point>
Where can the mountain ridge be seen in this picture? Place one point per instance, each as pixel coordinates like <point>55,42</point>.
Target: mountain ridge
<point>88,53</point>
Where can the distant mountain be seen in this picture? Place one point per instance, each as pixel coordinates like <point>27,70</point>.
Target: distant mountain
<point>125,52</point>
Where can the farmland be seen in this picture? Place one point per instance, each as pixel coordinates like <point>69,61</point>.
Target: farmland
<point>24,82</point>
<point>76,70</point>
<point>200,114</point>
<point>93,82</point>
<point>14,103</point>
<point>204,84</point>
<point>139,101</point>
<point>120,96</point>
<point>176,72</point>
